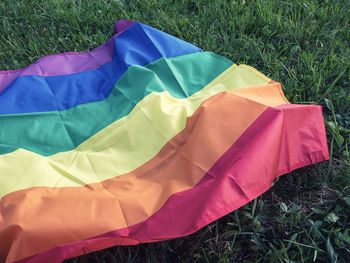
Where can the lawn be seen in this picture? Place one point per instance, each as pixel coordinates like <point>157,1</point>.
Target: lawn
<point>305,45</point>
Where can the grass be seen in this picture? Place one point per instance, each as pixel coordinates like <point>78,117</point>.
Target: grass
<point>305,216</point>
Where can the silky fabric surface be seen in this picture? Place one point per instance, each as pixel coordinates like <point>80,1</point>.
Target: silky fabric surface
<point>140,134</point>
<point>70,62</point>
<point>137,45</point>
<point>47,133</point>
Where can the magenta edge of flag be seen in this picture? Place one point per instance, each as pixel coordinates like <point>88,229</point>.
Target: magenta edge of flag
<point>218,181</point>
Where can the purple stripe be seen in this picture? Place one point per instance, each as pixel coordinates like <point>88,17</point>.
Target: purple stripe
<point>70,62</point>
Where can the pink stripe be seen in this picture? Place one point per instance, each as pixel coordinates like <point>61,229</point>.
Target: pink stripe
<point>67,62</point>
<point>280,140</point>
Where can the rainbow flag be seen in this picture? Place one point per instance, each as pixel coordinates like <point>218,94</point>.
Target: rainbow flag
<point>146,138</point>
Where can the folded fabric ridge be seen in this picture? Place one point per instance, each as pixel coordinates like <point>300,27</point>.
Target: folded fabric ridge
<point>136,194</point>
<point>144,132</point>
<point>111,152</point>
<point>136,45</point>
<point>47,133</point>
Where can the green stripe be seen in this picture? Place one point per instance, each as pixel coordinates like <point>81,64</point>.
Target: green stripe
<point>47,133</point>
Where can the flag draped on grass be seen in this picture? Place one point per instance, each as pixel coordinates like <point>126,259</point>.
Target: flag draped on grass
<point>143,139</point>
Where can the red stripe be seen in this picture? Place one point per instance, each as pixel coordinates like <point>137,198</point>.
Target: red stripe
<point>280,140</point>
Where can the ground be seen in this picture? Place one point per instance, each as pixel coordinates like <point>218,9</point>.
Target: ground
<point>305,216</point>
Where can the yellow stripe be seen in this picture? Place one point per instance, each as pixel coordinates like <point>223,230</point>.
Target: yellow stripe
<point>255,71</point>
<point>122,146</point>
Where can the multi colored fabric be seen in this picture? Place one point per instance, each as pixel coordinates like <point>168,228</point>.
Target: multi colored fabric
<point>143,139</point>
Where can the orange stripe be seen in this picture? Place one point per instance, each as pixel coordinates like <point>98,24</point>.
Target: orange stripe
<point>35,219</point>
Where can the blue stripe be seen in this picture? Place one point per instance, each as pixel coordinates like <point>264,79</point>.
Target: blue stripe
<point>138,45</point>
